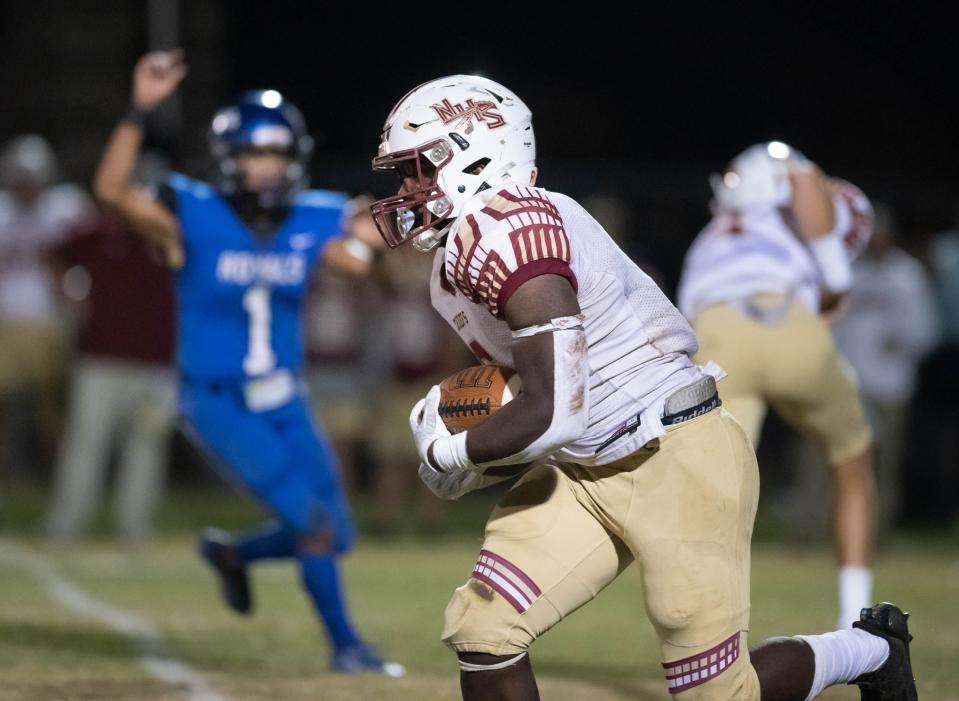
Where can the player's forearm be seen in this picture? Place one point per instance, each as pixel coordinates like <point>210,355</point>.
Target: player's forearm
<point>551,411</point>
<point>114,187</point>
<point>357,250</point>
<point>812,204</point>
<point>155,77</point>
<point>551,356</point>
<point>114,175</point>
<point>524,434</point>
<point>510,430</point>
<point>349,255</point>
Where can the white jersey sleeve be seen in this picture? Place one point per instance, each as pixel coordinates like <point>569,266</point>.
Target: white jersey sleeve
<point>755,251</point>
<point>517,235</point>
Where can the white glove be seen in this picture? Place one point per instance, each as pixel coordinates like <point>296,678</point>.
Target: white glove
<point>449,451</point>
<point>453,485</point>
<point>450,485</point>
<point>427,424</point>
<point>454,474</point>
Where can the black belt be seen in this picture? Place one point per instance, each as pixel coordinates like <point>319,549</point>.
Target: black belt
<point>692,412</point>
<point>678,409</point>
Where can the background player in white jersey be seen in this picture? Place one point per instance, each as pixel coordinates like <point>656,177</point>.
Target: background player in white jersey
<point>775,257</point>
<point>632,457</point>
<point>36,214</point>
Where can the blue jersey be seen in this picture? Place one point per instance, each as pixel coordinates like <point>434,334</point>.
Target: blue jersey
<point>240,295</point>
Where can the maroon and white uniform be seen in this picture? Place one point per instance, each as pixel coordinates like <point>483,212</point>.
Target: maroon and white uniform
<point>755,251</point>
<point>639,343</point>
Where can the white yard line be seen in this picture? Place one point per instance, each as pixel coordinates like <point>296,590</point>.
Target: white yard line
<point>153,657</point>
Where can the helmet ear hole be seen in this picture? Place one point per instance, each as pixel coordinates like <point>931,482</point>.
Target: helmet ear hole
<point>477,166</point>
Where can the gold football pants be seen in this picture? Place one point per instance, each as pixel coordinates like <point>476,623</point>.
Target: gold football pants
<point>682,508</point>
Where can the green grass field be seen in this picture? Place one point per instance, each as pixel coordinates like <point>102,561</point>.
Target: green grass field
<point>398,590</point>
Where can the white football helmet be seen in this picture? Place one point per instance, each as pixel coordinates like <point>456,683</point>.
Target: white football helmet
<point>28,159</point>
<point>457,136</point>
<point>757,176</point>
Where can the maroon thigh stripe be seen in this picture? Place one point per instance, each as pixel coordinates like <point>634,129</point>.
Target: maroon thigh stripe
<point>522,576</point>
<point>514,602</point>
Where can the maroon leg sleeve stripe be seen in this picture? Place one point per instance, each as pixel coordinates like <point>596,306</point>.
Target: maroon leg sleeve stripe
<point>700,668</point>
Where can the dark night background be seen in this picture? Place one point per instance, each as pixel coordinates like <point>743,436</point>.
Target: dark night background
<point>634,106</point>
<point>638,104</point>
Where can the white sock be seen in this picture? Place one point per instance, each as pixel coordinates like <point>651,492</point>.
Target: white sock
<point>843,655</point>
<point>855,593</point>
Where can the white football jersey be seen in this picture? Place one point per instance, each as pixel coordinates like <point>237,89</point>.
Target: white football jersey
<point>27,289</point>
<point>639,344</point>
<point>755,251</point>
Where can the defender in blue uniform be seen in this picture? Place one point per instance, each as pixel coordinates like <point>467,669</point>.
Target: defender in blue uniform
<point>243,249</point>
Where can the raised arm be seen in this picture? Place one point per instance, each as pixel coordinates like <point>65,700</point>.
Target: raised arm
<point>812,202</point>
<point>815,217</point>
<point>155,77</point>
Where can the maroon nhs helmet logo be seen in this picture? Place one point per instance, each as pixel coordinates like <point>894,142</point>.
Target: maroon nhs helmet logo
<point>457,113</point>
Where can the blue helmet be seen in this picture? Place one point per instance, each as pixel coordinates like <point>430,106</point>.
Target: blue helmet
<point>259,120</point>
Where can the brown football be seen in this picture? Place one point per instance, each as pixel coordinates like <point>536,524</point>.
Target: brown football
<point>470,396</point>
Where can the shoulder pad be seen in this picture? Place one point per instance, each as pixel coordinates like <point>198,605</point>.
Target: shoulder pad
<point>517,234</point>
<point>185,185</point>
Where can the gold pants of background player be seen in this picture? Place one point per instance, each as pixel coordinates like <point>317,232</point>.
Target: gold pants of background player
<point>790,362</point>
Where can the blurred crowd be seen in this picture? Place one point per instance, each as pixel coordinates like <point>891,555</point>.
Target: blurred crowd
<point>87,393</point>
<point>87,390</point>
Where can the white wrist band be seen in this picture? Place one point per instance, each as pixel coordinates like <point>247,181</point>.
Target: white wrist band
<point>833,262</point>
<point>449,454</point>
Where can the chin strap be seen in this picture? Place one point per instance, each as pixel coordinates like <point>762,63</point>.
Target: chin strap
<point>431,238</point>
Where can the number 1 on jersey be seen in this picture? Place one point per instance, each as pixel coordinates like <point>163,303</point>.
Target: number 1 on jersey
<point>260,358</point>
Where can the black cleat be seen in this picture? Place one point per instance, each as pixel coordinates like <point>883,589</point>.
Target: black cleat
<point>893,681</point>
<point>216,548</point>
